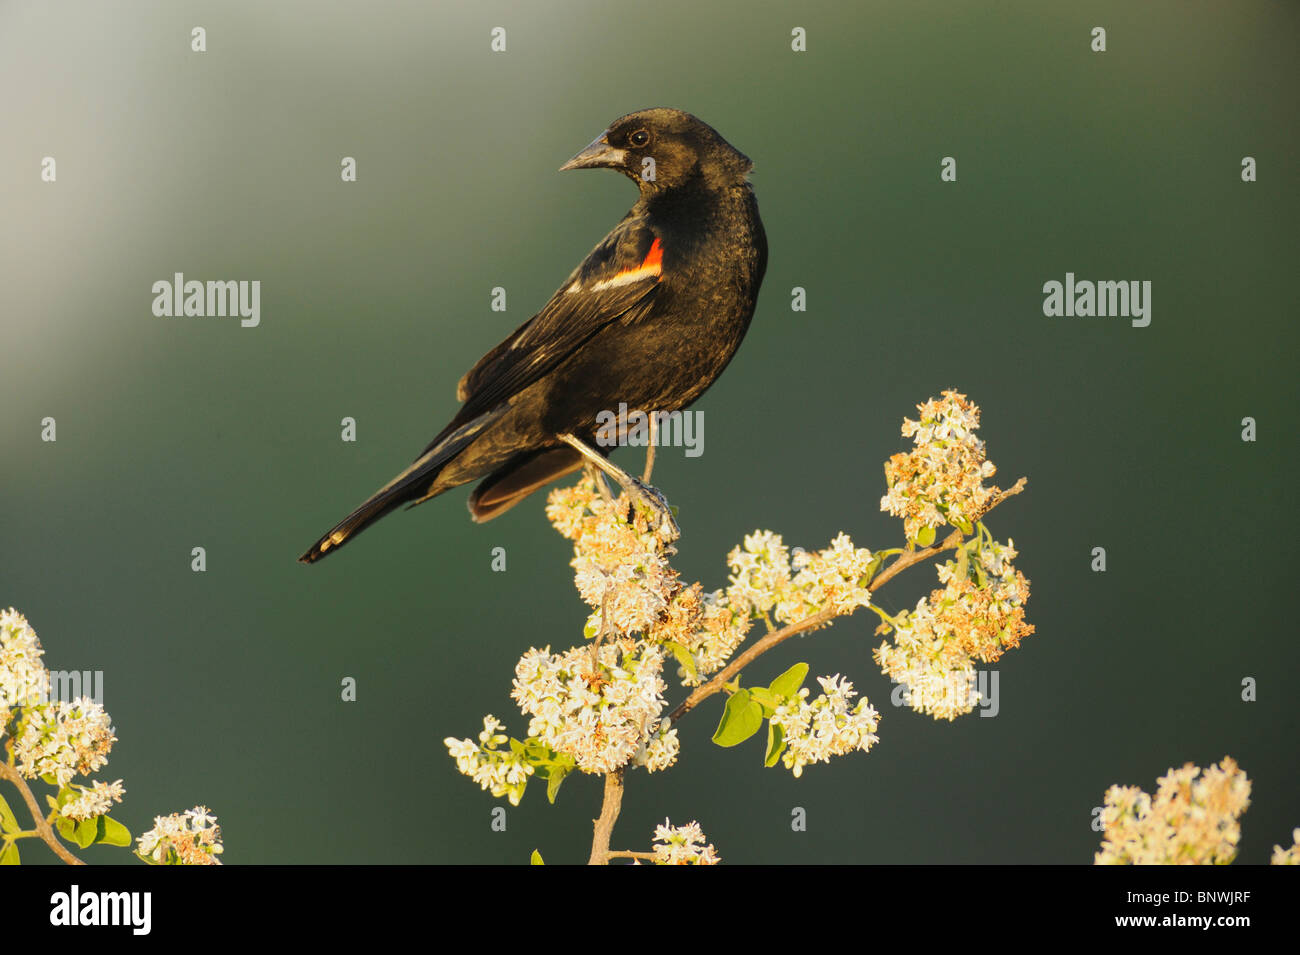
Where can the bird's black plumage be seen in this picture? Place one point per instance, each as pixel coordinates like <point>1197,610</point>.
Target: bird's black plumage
<point>650,318</point>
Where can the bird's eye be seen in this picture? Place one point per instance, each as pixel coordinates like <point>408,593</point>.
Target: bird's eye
<point>639,138</point>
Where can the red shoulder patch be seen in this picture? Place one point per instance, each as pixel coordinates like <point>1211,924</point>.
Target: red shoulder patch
<point>650,268</point>
<point>655,257</point>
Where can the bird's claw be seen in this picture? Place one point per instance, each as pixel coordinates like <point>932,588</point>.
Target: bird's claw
<point>655,501</point>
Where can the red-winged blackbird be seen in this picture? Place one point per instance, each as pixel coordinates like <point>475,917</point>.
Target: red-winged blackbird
<point>650,318</point>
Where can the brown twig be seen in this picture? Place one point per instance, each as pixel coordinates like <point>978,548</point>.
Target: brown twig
<point>604,826</point>
<point>43,828</point>
<point>629,854</point>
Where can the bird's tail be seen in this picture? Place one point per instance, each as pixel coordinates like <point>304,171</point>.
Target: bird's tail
<point>375,507</point>
<point>413,485</point>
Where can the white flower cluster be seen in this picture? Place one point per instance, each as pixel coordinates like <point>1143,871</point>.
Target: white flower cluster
<point>1193,819</point>
<point>760,572</point>
<point>828,726</point>
<point>830,579</point>
<point>23,677</point>
<point>189,838</point>
<point>63,739</point>
<point>683,845</point>
<point>1290,855</point>
<point>93,801</point>
<point>600,716</point>
<point>766,576</point>
<point>620,568</point>
<point>501,772</point>
<point>939,683</point>
<point>660,750</point>
<point>936,645</point>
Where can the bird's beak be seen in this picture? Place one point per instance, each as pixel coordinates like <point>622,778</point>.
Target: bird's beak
<point>600,154</point>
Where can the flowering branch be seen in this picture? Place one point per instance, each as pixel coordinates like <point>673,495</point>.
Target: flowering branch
<point>600,709</point>
<point>900,564</point>
<point>58,740</point>
<point>43,828</point>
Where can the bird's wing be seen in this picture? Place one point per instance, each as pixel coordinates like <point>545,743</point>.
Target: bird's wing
<point>621,274</point>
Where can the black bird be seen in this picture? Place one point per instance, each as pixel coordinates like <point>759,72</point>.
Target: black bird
<point>651,318</point>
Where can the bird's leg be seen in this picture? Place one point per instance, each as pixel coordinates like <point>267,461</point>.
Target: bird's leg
<point>634,487</point>
<point>599,480</point>
<point>650,449</point>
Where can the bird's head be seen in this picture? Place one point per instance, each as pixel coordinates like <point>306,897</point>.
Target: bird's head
<point>661,149</point>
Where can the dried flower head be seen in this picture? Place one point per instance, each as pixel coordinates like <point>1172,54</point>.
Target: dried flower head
<point>940,481</point>
<point>983,609</point>
<point>702,626</point>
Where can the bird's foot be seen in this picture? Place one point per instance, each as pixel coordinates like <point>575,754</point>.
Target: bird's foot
<point>664,524</point>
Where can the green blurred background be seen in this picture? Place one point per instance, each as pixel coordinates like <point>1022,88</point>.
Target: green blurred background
<point>172,433</point>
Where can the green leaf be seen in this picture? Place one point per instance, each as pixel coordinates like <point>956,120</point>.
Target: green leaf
<point>538,753</point>
<point>54,803</point>
<point>87,830</point>
<point>112,833</point>
<point>963,525</point>
<point>553,779</point>
<point>684,657</point>
<point>775,744</point>
<point>9,854</point>
<point>516,747</point>
<point>536,858</point>
<point>765,698</point>
<point>873,568</point>
<point>789,682</point>
<point>740,720</point>
<point>925,537</point>
<point>8,821</point>
<point>66,827</point>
